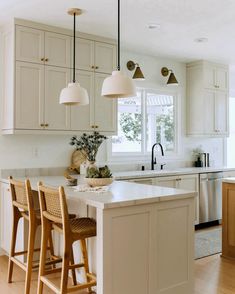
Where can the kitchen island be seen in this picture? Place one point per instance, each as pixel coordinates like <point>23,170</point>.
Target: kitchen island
<point>145,236</point>
<point>228,218</point>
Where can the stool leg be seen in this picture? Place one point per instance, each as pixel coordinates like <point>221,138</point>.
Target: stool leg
<point>65,268</point>
<point>85,260</point>
<point>31,240</point>
<point>16,218</point>
<point>46,230</point>
<point>73,271</point>
<point>51,248</point>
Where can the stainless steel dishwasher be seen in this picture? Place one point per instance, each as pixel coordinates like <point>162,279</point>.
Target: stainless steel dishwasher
<point>210,199</point>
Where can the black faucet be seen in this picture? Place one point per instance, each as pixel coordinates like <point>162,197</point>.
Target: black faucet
<point>153,161</point>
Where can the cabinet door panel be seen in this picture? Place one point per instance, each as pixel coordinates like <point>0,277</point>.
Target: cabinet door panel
<point>105,108</point>
<point>222,78</point>
<point>221,113</point>
<point>57,116</point>
<point>29,95</point>
<point>58,49</point>
<point>82,117</point>
<point>105,57</point>
<point>190,182</point>
<point>209,112</point>
<point>85,54</point>
<point>210,77</point>
<point>29,44</point>
<point>169,182</point>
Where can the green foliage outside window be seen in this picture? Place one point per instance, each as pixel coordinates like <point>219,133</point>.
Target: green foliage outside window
<point>131,126</point>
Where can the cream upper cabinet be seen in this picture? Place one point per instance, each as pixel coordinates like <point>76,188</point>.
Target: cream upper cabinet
<point>105,112</point>
<point>29,95</point>
<point>105,57</point>
<point>95,56</point>
<point>207,99</point>
<point>29,44</point>
<point>85,57</point>
<point>37,66</point>
<point>57,50</point>
<point>100,114</point>
<point>37,102</point>
<point>56,116</point>
<point>37,46</point>
<point>215,76</point>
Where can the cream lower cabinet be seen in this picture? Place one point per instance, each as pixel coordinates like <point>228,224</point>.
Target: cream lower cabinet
<point>185,182</point>
<point>37,97</point>
<point>100,114</point>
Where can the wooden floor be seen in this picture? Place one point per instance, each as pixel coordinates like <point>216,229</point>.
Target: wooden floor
<point>17,287</point>
<point>213,275</point>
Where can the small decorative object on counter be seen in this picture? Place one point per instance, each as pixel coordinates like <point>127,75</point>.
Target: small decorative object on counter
<point>99,176</point>
<point>196,156</point>
<point>70,180</point>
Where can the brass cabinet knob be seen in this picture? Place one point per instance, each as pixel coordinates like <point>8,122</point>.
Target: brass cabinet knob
<point>46,59</point>
<point>42,59</point>
<point>96,67</point>
<point>42,125</point>
<point>94,127</point>
<point>92,66</point>
<point>46,125</point>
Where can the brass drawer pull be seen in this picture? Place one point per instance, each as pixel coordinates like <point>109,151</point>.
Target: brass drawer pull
<point>96,67</point>
<point>42,125</point>
<point>92,66</point>
<point>46,125</point>
<point>46,59</point>
<point>42,59</point>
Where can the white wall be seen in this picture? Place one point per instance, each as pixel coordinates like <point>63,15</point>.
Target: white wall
<point>25,151</point>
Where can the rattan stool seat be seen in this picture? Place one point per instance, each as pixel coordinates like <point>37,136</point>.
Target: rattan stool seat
<point>84,227</point>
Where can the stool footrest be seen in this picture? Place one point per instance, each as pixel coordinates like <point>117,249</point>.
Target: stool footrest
<point>19,263</point>
<point>74,266</point>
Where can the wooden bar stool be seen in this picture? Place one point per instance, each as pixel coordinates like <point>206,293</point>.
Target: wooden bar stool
<point>54,215</point>
<point>23,207</point>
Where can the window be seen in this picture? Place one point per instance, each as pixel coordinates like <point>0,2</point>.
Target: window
<point>144,120</point>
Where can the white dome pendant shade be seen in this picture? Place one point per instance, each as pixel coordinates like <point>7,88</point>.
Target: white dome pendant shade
<point>74,94</point>
<point>118,85</point>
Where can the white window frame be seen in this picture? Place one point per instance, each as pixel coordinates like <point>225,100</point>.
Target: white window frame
<point>121,157</point>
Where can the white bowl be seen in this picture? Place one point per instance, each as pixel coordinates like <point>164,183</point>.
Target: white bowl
<point>97,182</point>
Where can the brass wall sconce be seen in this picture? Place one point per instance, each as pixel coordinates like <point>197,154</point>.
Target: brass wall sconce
<point>172,79</point>
<point>138,75</point>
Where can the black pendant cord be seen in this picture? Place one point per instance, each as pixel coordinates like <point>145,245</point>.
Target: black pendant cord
<point>74,45</point>
<point>118,61</point>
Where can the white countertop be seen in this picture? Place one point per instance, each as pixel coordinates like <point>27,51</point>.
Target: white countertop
<point>174,172</point>
<point>229,180</point>
<point>120,194</point>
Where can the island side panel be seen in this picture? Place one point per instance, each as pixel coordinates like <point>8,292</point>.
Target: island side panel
<point>137,248</point>
<point>174,233</point>
<point>228,223</point>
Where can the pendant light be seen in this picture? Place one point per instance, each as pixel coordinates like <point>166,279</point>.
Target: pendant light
<point>74,94</point>
<point>118,85</point>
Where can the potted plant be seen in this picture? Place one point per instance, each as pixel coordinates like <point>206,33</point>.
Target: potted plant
<point>101,176</point>
<point>88,145</point>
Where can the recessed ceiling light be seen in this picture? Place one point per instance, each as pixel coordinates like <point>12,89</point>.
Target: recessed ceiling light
<point>201,40</point>
<point>153,26</point>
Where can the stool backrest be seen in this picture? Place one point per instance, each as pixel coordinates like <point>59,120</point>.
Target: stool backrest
<point>53,204</point>
<point>21,194</point>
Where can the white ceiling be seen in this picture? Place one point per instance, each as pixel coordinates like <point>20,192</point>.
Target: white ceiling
<point>181,22</point>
